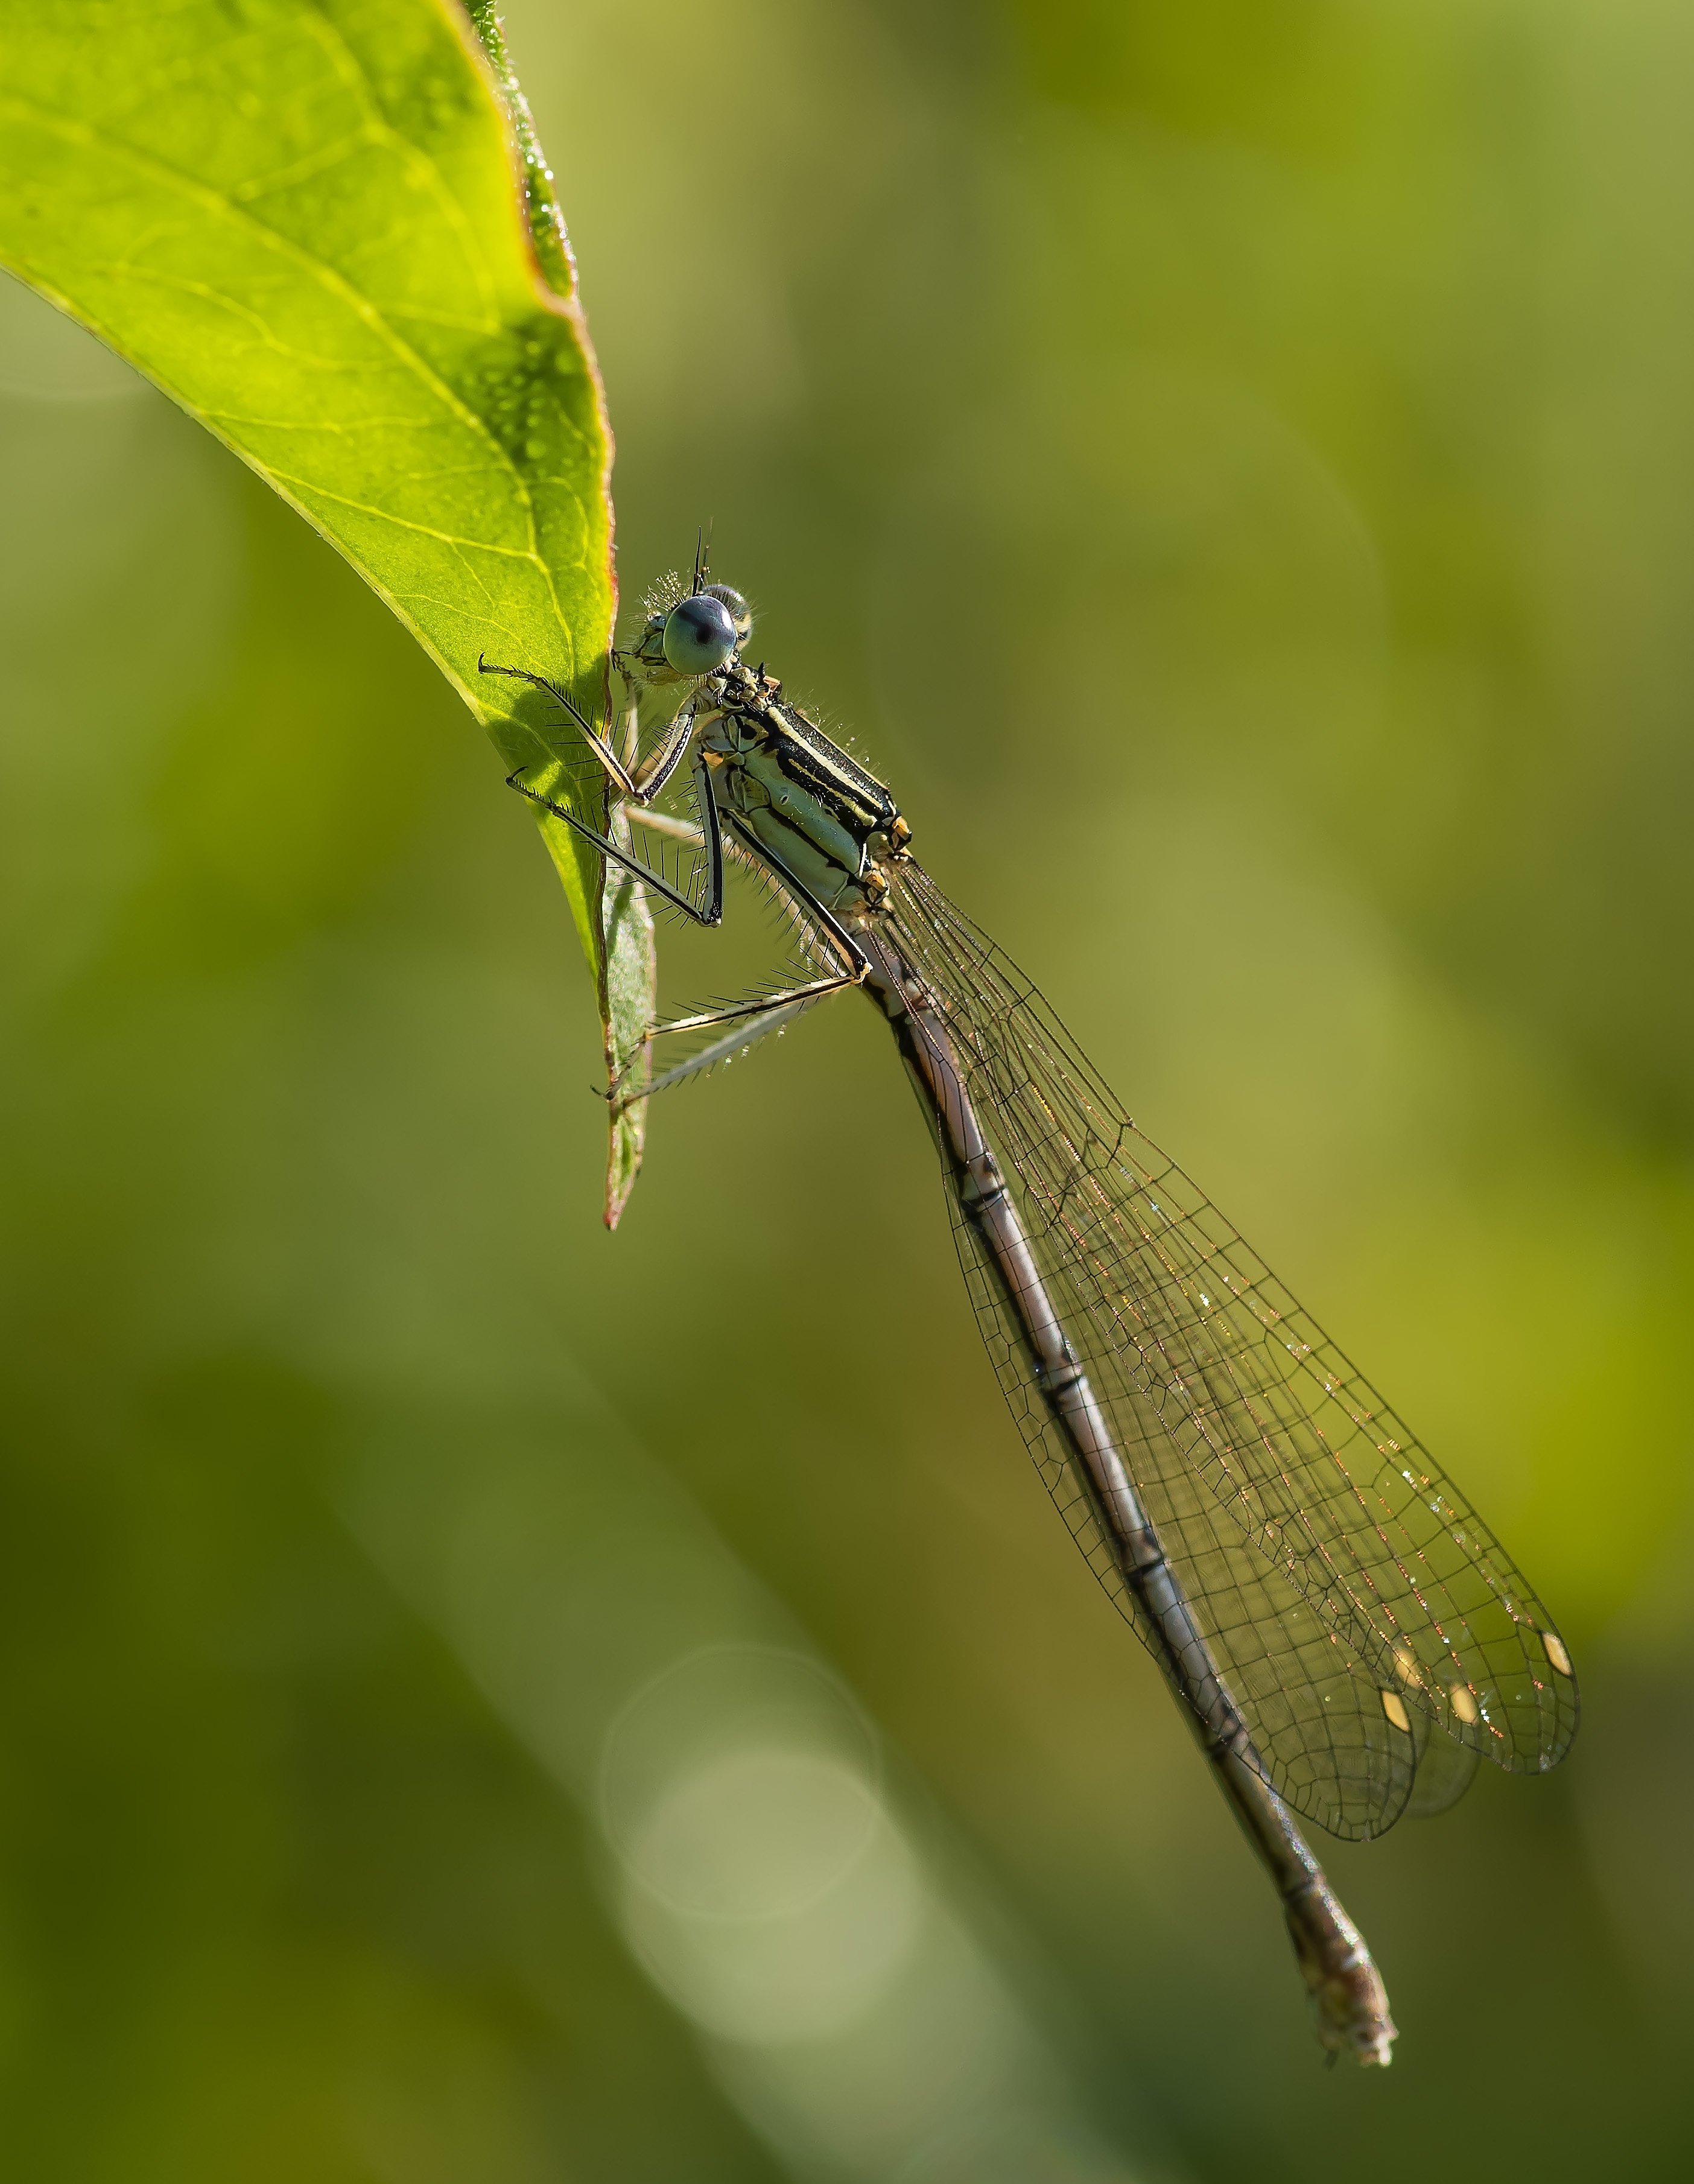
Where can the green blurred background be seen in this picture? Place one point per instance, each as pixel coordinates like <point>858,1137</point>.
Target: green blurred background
<point>484,1701</point>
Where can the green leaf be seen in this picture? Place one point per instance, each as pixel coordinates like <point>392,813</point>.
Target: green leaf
<point>312,227</point>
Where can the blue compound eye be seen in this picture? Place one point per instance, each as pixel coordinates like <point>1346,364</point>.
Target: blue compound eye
<point>739,612</point>
<point>700,635</point>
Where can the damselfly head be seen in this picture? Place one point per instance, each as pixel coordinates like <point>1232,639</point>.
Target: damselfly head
<point>688,633</point>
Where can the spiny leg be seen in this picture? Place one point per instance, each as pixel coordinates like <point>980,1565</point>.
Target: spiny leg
<point>711,912</point>
<point>640,783</point>
<point>772,1016</point>
<point>609,759</point>
<point>666,824</point>
<point>753,1019</point>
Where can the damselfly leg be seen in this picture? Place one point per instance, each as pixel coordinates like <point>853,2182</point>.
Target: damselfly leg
<point>639,783</point>
<point>639,789</point>
<point>822,942</point>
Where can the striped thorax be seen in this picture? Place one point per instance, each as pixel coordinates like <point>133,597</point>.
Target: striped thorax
<point>794,796</point>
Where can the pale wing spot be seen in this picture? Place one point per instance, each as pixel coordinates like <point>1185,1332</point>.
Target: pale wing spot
<point>1405,1660</point>
<point>1395,1708</point>
<point>1463,1702</point>
<point>1555,1652</point>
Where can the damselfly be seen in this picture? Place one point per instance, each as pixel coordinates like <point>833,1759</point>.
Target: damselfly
<point>1344,1634</point>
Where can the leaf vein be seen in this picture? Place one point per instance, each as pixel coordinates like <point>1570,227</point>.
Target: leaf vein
<point>223,207</point>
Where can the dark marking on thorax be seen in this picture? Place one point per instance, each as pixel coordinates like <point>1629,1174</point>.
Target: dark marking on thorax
<point>853,798</point>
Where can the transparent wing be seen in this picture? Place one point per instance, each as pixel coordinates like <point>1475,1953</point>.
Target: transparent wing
<point>1364,1618</point>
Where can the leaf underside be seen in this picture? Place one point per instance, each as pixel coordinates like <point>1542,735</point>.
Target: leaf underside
<point>326,230</point>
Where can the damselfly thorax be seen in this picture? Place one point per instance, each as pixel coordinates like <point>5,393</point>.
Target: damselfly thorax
<point>792,795</point>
